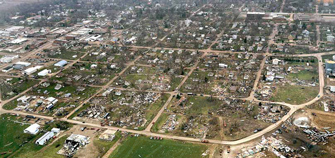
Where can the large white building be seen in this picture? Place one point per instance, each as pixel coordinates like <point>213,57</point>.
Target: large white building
<point>47,136</point>
<point>32,129</point>
<point>44,72</point>
<point>31,70</point>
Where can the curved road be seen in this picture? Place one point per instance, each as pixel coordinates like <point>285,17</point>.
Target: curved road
<point>270,128</point>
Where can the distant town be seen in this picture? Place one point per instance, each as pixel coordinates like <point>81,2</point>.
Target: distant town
<point>167,78</point>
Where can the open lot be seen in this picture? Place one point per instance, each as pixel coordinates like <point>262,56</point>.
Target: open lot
<point>294,94</point>
<point>11,134</point>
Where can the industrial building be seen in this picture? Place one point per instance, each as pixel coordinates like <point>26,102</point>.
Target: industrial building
<point>31,70</point>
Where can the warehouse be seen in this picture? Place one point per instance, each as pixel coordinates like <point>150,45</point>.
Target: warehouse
<point>32,129</point>
<point>31,70</point>
<point>47,136</point>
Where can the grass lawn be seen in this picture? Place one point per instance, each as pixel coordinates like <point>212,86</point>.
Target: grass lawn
<point>175,82</point>
<point>29,150</point>
<point>304,75</point>
<point>144,147</point>
<point>66,89</point>
<point>295,94</point>
<point>156,106</point>
<point>153,109</point>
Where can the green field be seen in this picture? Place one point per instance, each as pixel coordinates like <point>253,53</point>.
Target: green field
<point>135,147</point>
<point>304,75</point>
<point>295,94</point>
